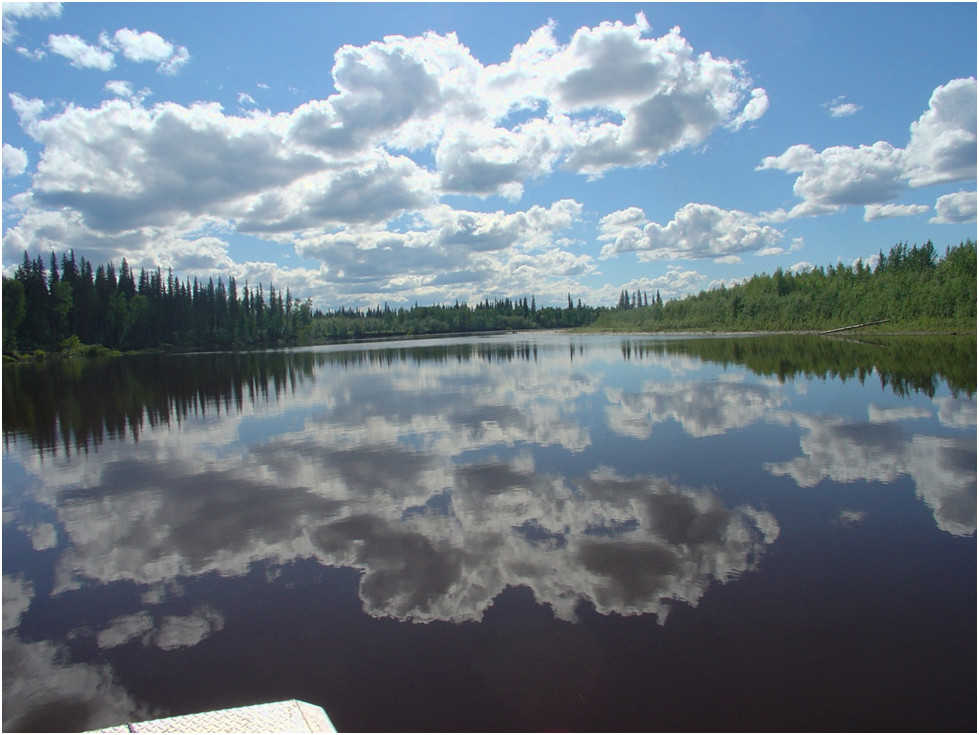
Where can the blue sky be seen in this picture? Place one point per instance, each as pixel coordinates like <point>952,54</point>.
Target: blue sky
<point>367,153</point>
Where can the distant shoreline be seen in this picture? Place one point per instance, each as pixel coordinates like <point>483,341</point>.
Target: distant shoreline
<point>87,352</point>
<point>765,332</point>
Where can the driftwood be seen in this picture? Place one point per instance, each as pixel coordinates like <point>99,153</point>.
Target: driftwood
<point>854,326</point>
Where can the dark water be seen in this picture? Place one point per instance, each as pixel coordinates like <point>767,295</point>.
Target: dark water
<point>530,532</point>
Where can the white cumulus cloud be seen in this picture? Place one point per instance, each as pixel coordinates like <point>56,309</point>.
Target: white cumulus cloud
<point>122,166</point>
<point>943,140</point>
<point>14,160</point>
<point>757,106</point>
<point>662,96</point>
<point>338,179</point>
<point>28,110</point>
<point>135,46</point>
<point>451,253</point>
<point>610,97</point>
<point>176,61</point>
<point>147,46</point>
<point>123,89</point>
<point>25,11</point>
<point>955,208</point>
<point>696,231</point>
<point>34,55</point>
<point>873,212</point>
<point>81,54</point>
<point>839,107</point>
<point>840,175</point>
<point>941,149</point>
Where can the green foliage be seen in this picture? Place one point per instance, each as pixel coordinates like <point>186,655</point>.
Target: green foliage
<point>71,344</point>
<point>502,314</point>
<point>14,311</point>
<point>911,287</point>
<point>44,307</point>
<point>130,312</point>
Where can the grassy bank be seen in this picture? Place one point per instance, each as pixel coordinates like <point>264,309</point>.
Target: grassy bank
<point>69,348</point>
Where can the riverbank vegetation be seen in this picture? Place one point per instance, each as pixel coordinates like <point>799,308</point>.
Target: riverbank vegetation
<point>912,287</point>
<point>69,308</point>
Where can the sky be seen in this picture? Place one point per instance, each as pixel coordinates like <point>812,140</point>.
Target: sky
<point>368,153</point>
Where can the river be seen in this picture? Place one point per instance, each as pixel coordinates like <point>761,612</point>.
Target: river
<point>537,531</point>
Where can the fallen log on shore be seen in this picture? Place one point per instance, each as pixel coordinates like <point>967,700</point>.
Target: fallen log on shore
<point>854,326</point>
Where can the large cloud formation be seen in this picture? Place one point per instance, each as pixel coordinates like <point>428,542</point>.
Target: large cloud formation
<point>955,208</point>
<point>941,149</point>
<point>14,160</point>
<point>696,231</point>
<point>411,120</point>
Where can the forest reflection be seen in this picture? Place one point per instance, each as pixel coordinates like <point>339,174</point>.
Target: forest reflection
<point>904,364</point>
<point>77,404</point>
<point>74,405</point>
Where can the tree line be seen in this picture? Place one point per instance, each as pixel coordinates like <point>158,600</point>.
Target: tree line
<point>69,302</point>
<point>911,287</point>
<point>47,308</point>
<point>500,314</point>
<point>639,298</point>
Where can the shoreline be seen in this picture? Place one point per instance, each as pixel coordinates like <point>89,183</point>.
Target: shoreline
<point>90,351</point>
<point>949,332</point>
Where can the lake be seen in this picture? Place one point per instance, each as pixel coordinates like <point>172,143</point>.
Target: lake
<point>535,531</point>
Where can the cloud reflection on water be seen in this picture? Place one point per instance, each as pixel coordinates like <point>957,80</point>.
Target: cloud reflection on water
<point>424,565</point>
<point>956,412</point>
<point>43,690</point>
<point>701,408</point>
<point>173,631</point>
<point>355,487</point>
<point>943,469</point>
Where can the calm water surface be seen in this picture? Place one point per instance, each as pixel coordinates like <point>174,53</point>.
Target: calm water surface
<point>522,532</point>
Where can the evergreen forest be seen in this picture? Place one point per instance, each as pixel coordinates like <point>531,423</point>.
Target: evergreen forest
<point>68,303</point>
<point>911,287</point>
